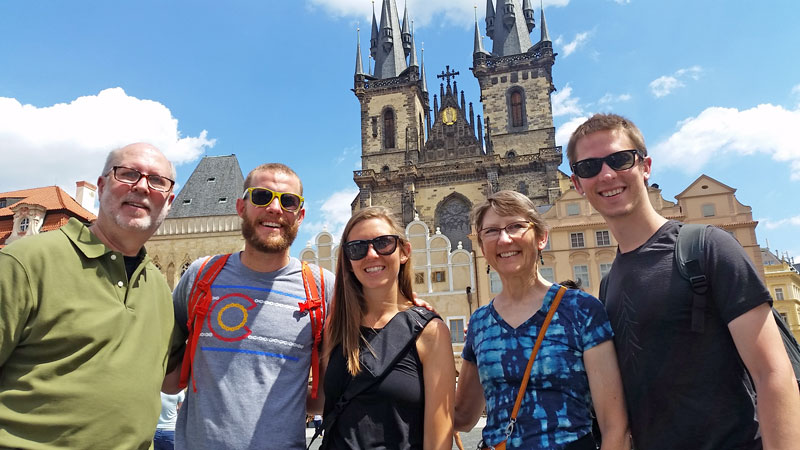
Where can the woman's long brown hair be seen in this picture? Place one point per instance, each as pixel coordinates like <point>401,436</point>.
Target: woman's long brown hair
<point>348,304</point>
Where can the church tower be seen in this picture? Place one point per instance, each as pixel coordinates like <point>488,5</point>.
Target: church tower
<point>435,165</point>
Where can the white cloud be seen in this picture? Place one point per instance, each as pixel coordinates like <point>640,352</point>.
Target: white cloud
<point>564,132</point>
<point>333,214</point>
<point>767,129</point>
<point>771,224</point>
<point>68,142</point>
<point>665,84</point>
<point>422,11</point>
<point>573,45</point>
<point>564,103</point>
<point>609,98</point>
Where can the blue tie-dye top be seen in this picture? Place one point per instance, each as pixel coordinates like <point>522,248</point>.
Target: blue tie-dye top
<point>555,409</point>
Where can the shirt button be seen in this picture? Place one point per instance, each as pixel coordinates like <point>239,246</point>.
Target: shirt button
<point>120,284</point>
<point>113,257</point>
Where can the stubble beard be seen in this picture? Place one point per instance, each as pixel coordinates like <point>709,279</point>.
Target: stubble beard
<point>271,244</point>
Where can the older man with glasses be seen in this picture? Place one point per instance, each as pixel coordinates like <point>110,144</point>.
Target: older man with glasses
<point>687,385</point>
<point>85,318</point>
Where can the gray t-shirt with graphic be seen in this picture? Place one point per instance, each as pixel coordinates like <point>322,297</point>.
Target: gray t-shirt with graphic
<point>252,360</point>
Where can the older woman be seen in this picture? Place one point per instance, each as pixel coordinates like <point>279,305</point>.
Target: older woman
<point>575,366</point>
<point>410,405</point>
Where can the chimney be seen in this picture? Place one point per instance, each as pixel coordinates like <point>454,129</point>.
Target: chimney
<point>86,194</point>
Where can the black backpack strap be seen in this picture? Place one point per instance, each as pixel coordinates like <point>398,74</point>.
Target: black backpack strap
<point>689,259</point>
<point>389,346</point>
<point>604,288</point>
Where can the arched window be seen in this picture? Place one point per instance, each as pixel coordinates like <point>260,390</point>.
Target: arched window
<point>516,109</point>
<point>388,129</point>
<point>24,224</point>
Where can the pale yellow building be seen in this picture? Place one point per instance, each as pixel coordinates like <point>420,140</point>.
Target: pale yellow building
<point>783,282</point>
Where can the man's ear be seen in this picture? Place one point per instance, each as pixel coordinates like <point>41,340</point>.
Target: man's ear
<point>240,207</point>
<point>577,183</point>
<point>647,167</point>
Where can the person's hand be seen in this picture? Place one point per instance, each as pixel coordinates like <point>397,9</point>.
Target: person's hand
<point>420,302</point>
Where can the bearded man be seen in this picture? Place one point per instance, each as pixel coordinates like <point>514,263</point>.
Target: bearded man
<point>249,377</point>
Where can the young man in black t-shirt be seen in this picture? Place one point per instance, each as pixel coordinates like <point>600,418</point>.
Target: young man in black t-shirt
<point>683,389</point>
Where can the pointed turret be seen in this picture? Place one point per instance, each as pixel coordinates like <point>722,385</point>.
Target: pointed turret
<point>545,34</point>
<point>422,71</point>
<point>478,41</point>
<point>373,39</point>
<point>511,37</point>
<point>412,59</point>
<point>490,18</point>
<point>527,11</point>
<point>406,33</point>
<point>359,64</point>
<point>390,58</point>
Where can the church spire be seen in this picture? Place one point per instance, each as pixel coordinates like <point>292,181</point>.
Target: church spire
<point>422,70</point>
<point>527,11</point>
<point>406,33</point>
<point>359,64</point>
<point>545,33</point>
<point>373,39</point>
<point>412,59</point>
<point>490,18</point>
<point>478,41</point>
<point>390,58</point>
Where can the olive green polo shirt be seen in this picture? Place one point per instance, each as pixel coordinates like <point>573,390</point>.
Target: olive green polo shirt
<point>83,349</point>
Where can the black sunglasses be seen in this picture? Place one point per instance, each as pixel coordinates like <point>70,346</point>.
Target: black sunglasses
<point>263,197</point>
<point>622,160</point>
<point>383,245</point>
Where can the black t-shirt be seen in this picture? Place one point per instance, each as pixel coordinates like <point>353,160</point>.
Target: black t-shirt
<point>388,415</point>
<point>684,390</point>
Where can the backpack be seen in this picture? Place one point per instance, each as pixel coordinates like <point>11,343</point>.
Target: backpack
<point>689,257</point>
<point>200,299</point>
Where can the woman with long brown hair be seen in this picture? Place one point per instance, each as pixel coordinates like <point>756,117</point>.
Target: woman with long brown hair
<point>410,406</point>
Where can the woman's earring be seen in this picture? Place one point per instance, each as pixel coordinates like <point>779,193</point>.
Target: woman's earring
<point>541,259</point>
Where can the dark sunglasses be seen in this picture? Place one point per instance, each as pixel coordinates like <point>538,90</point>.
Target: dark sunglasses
<point>622,160</point>
<point>263,197</point>
<point>383,245</point>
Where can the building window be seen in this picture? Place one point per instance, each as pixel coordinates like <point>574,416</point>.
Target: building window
<point>709,210</point>
<point>516,109</point>
<point>24,224</point>
<point>581,273</point>
<point>456,330</point>
<point>211,179</point>
<point>547,273</point>
<point>223,199</point>
<point>576,240</point>
<point>388,129</point>
<point>785,317</point>
<point>419,277</point>
<point>779,293</point>
<point>603,238</point>
<point>604,269</point>
<point>495,284</point>
<point>3,202</point>
<point>438,276</point>
<point>187,201</point>
<point>573,209</point>
<point>185,267</point>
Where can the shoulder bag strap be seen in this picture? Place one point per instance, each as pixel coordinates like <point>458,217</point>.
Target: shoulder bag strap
<point>539,338</point>
<point>315,305</point>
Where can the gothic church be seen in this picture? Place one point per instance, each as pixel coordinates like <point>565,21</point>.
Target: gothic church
<point>435,163</point>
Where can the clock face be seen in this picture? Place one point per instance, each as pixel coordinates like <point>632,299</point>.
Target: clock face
<point>449,115</point>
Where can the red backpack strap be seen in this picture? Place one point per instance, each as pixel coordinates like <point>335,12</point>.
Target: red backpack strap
<point>199,299</point>
<point>315,305</point>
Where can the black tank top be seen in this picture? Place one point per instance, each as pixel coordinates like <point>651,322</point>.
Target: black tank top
<point>388,415</point>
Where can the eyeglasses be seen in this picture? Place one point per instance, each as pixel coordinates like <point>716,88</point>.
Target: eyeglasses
<point>622,160</point>
<point>263,197</point>
<point>132,176</point>
<point>513,230</point>
<point>384,245</point>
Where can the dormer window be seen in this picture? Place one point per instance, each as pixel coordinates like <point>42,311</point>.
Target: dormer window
<point>223,199</point>
<point>24,224</point>
<point>188,201</point>
<point>211,179</point>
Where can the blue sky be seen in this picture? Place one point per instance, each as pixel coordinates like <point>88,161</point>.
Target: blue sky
<point>713,84</point>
